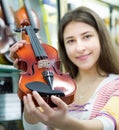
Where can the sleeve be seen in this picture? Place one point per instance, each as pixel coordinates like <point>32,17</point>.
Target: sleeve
<point>38,126</point>
<point>107,122</point>
<point>110,112</point>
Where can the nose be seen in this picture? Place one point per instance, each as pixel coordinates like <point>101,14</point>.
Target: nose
<point>80,47</point>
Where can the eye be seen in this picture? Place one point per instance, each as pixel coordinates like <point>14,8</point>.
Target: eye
<point>87,36</point>
<point>71,41</point>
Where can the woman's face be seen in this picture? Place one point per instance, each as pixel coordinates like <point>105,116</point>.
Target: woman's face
<point>82,44</point>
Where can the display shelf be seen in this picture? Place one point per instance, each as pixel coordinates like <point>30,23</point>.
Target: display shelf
<point>10,104</point>
<point>10,71</point>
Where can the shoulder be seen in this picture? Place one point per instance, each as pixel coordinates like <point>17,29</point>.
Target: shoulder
<point>113,83</point>
<point>113,77</point>
<point>110,86</point>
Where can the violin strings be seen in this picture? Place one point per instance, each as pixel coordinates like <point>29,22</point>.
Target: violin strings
<point>32,42</point>
<point>36,43</point>
<point>40,48</point>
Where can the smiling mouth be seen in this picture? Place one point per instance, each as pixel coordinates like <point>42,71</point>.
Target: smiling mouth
<point>83,57</point>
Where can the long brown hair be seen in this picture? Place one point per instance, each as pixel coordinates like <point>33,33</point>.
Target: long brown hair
<point>108,60</point>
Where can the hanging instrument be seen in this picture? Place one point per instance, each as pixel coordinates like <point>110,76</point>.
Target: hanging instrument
<point>8,35</point>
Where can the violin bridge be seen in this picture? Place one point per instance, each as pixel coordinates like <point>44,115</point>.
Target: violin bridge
<point>43,64</point>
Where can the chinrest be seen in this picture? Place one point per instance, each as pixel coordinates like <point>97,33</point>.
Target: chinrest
<point>43,89</point>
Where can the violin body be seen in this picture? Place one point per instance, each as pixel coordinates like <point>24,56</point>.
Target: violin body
<point>32,73</point>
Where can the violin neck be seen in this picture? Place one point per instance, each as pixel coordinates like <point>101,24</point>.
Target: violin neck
<point>37,47</point>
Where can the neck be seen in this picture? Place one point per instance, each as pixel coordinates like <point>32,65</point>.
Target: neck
<point>89,76</point>
<point>87,82</point>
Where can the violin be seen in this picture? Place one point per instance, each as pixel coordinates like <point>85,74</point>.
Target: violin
<point>42,72</point>
<point>41,67</point>
<point>40,64</point>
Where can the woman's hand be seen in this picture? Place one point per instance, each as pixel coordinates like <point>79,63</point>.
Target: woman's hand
<point>53,117</point>
<point>13,50</point>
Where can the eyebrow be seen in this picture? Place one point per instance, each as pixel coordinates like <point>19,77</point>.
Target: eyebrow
<point>69,37</point>
<point>86,32</point>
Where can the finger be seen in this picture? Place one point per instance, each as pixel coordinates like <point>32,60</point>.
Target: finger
<point>59,103</point>
<point>14,48</point>
<point>28,103</point>
<point>15,64</point>
<point>12,54</point>
<point>25,102</point>
<point>31,109</point>
<point>41,102</point>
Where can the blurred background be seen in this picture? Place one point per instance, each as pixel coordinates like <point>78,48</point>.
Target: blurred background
<point>44,15</point>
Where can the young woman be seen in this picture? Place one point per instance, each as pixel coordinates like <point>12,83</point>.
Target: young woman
<point>87,53</point>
